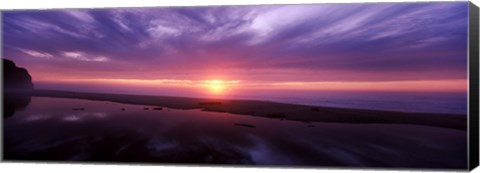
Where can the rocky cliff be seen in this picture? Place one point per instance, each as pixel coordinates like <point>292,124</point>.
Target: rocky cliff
<point>15,77</point>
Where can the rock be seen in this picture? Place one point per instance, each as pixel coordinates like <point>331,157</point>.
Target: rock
<point>158,109</point>
<point>244,125</point>
<point>276,115</point>
<point>15,77</point>
<point>15,81</point>
<point>209,103</point>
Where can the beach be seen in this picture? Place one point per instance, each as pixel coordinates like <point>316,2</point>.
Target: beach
<point>73,130</point>
<point>273,110</point>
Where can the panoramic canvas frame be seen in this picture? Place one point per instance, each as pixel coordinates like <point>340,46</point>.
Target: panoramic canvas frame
<point>214,85</point>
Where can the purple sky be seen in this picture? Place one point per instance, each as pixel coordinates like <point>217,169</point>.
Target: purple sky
<point>376,42</point>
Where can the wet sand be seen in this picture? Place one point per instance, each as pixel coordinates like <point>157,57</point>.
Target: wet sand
<point>272,109</point>
<point>48,129</point>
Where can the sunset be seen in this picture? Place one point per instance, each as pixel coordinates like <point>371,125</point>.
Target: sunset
<point>250,45</point>
<point>284,85</point>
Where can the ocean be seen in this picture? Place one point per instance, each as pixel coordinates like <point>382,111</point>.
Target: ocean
<point>427,102</point>
<point>446,103</point>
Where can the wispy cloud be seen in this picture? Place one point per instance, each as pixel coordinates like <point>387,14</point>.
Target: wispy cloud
<point>83,57</point>
<point>34,53</point>
<point>356,42</point>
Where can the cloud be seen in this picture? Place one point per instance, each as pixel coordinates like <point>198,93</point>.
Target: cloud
<point>80,15</point>
<point>36,53</point>
<point>382,40</point>
<point>83,57</point>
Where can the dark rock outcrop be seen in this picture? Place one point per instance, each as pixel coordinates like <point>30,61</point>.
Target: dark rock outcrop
<point>17,85</point>
<point>244,125</point>
<point>15,77</point>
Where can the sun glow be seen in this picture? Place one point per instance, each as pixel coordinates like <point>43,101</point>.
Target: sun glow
<point>216,86</point>
<point>222,87</point>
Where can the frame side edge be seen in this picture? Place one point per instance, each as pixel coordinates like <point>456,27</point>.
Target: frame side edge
<point>473,40</point>
<point>2,152</point>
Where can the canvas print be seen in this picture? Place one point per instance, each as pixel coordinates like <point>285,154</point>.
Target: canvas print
<point>366,85</point>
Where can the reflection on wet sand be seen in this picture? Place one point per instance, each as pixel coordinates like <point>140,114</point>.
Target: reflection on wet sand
<point>48,129</point>
<point>14,101</point>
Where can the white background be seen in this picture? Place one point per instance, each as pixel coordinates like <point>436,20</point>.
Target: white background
<point>87,168</point>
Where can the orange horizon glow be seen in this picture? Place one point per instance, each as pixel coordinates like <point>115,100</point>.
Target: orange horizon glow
<point>217,86</point>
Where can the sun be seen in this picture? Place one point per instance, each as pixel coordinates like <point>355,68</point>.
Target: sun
<point>220,87</point>
<point>215,86</point>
